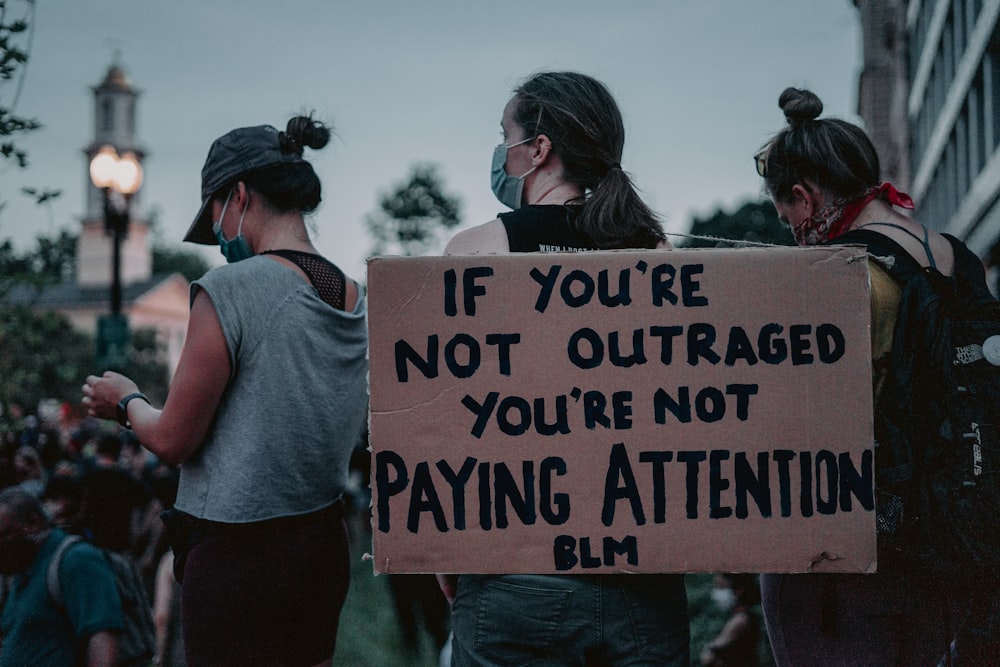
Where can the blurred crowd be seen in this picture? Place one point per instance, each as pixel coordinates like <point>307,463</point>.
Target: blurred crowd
<point>98,482</point>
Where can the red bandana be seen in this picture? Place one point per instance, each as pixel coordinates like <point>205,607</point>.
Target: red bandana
<point>831,221</point>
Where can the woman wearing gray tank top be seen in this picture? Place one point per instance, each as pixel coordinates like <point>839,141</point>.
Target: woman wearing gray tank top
<point>266,405</point>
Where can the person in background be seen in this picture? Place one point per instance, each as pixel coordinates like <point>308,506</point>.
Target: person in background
<point>113,498</point>
<point>167,615</point>
<point>8,449</point>
<point>823,176</point>
<point>28,470</point>
<point>267,402</point>
<point>35,629</point>
<point>559,169</point>
<point>736,644</point>
<point>63,502</point>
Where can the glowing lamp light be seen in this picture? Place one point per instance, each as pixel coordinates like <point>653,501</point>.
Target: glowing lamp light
<point>128,174</point>
<point>121,174</point>
<point>103,167</point>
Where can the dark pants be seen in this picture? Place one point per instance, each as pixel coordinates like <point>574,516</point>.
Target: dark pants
<point>571,620</point>
<point>268,593</point>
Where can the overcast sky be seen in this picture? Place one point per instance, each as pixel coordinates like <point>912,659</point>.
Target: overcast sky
<point>405,82</point>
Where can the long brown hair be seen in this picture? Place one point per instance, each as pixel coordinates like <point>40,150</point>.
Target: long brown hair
<point>579,115</point>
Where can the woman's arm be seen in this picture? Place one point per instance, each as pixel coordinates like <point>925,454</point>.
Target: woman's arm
<point>176,431</point>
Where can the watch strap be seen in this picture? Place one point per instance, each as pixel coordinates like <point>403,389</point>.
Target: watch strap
<point>122,409</point>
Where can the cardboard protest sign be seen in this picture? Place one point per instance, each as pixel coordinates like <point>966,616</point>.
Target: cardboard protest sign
<point>624,411</point>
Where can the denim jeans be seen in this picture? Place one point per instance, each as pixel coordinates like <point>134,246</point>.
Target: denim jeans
<point>548,620</point>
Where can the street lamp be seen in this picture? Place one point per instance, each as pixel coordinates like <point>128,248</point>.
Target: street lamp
<point>121,176</point>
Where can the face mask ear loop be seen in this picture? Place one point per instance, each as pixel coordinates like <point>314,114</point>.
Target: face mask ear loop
<point>538,121</point>
<point>223,214</point>
<point>239,228</point>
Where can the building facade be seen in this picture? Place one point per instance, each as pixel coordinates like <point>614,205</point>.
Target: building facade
<point>929,93</point>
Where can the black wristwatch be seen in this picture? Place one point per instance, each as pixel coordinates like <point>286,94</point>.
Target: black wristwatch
<point>123,408</point>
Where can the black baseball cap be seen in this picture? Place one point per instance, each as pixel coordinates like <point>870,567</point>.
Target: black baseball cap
<point>232,155</point>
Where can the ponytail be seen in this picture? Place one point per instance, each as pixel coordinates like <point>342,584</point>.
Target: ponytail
<point>616,217</point>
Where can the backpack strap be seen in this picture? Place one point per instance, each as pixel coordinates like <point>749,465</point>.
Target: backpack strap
<point>925,242</point>
<point>903,266</point>
<point>969,270</point>
<point>52,575</point>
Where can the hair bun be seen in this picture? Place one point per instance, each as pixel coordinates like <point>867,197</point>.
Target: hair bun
<point>800,105</point>
<point>303,131</point>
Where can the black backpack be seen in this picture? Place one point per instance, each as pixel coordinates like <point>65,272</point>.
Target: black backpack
<point>937,459</point>
<point>137,642</point>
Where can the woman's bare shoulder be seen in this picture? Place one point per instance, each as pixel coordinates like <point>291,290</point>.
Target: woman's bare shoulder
<point>488,238</point>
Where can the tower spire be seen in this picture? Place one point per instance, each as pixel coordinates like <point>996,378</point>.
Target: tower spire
<point>115,104</point>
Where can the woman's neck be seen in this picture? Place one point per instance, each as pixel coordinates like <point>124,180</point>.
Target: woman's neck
<point>284,232</point>
<point>878,211</point>
<point>556,193</point>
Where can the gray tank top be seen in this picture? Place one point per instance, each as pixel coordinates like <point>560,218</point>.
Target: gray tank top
<point>296,401</point>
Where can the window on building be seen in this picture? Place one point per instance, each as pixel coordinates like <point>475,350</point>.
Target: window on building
<point>930,208</point>
<point>971,12</point>
<point>949,185</point>
<point>913,50</point>
<point>985,80</point>
<point>974,119</point>
<point>961,143</point>
<point>991,88</point>
<point>938,83</point>
<point>917,136</point>
<point>948,53</point>
<point>957,23</point>
<point>107,114</point>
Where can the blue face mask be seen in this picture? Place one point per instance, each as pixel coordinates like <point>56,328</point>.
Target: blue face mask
<point>236,249</point>
<point>507,188</point>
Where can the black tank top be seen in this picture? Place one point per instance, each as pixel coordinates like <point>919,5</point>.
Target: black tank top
<point>324,275</point>
<point>545,228</point>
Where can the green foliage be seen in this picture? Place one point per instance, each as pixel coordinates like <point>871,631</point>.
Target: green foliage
<point>413,216</point>
<point>53,260</point>
<point>171,259</point>
<point>42,196</point>
<point>12,266</point>
<point>756,222</point>
<point>41,356</point>
<point>369,634</point>
<point>16,23</point>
